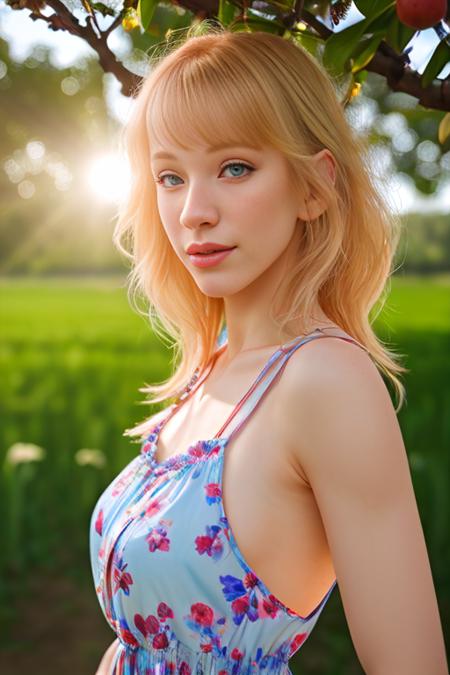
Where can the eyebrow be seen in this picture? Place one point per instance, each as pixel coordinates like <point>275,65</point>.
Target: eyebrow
<point>209,151</point>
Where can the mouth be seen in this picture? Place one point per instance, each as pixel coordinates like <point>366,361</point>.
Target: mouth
<point>217,250</point>
<point>211,258</point>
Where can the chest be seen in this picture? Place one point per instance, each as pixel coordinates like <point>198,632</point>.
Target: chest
<point>257,470</point>
<point>271,512</point>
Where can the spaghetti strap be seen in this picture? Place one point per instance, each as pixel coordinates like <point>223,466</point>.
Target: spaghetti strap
<point>248,404</point>
<point>194,383</point>
<point>161,526</point>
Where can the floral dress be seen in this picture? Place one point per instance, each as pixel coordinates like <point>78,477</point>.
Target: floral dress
<point>169,575</point>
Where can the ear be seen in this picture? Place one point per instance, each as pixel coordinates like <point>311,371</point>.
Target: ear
<point>312,207</point>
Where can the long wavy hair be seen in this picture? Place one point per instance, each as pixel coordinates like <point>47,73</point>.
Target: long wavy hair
<point>255,88</point>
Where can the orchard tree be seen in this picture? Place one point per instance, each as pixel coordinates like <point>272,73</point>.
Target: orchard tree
<point>379,42</point>
<point>376,42</point>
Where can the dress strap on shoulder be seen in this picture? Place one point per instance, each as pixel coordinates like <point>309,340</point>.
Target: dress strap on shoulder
<point>273,369</point>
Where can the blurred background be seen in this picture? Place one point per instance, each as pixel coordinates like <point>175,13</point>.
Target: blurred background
<point>73,352</point>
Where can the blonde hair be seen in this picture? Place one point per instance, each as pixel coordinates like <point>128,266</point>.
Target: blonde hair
<point>256,88</point>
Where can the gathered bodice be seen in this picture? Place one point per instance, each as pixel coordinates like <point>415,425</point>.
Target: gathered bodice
<point>170,578</point>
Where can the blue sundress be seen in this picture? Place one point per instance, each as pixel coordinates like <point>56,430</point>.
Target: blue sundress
<point>169,575</point>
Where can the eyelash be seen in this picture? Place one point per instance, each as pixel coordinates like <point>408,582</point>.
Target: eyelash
<point>160,178</point>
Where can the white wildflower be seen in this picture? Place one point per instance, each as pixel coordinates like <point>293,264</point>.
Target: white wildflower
<point>88,456</point>
<point>19,453</point>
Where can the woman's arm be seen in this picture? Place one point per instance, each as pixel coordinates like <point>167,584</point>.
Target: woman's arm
<point>105,665</point>
<point>341,426</point>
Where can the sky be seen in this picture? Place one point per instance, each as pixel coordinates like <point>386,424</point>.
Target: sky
<point>23,35</point>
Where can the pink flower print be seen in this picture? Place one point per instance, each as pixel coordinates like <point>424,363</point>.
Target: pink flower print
<point>160,641</point>
<point>164,611</point>
<point>124,632</point>
<point>216,449</point>
<point>197,450</point>
<point>206,648</point>
<point>184,669</point>
<point>99,522</point>
<point>122,579</point>
<point>151,626</point>
<point>148,626</point>
<point>146,447</point>
<point>213,493</point>
<point>157,538</point>
<point>153,507</point>
<point>250,580</point>
<point>121,483</point>
<point>270,606</point>
<point>129,638</point>
<point>297,642</point>
<point>243,603</point>
<point>202,614</point>
<point>236,654</point>
<point>201,620</point>
<point>240,605</point>
<point>210,543</point>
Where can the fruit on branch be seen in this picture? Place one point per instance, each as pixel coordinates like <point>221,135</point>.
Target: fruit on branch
<point>420,14</point>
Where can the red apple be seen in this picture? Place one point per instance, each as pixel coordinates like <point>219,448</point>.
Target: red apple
<point>421,14</point>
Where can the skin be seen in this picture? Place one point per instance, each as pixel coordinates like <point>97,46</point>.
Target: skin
<point>344,486</point>
<point>357,467</point>
<point>105,665</point>
<point>199,200</point>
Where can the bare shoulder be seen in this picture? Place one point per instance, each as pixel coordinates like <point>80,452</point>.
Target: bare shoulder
<point>332,392</point>
<point>339,425</point>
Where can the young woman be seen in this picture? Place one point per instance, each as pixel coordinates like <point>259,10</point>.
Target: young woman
<point>261,243</point>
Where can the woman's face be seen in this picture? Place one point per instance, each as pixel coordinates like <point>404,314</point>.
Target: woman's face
<point>237,197</point>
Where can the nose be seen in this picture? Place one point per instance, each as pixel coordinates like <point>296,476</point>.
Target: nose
<point>198,210</point>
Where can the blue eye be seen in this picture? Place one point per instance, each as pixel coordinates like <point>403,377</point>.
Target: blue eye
<point>160,179</point>
<point>240,164</point>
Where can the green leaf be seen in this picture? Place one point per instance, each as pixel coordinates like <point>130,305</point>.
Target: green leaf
<point>364,52</point>
<point>372,8</point>
<point>226,12</point>
<point>440,58</point>
<point>360,76</point>
<point>146,9</point>
<point>381,22</point>
<point>103,9</point>
<point>255,22</point>
<point>340,46</point>
<point>309,41</point>
<point>398,35</point>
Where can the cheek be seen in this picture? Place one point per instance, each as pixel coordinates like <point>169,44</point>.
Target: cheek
<point>267,214</point>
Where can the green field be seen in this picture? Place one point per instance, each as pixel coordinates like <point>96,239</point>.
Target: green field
<point>73,355</point>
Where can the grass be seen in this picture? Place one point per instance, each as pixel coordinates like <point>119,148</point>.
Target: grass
<point>73,355</point>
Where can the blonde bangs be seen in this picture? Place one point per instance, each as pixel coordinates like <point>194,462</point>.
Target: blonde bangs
<point>207,102</point>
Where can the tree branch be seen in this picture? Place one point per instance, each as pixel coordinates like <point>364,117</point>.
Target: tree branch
<point>107,59</point>
<point>401,77</point>
<point>385,62</point>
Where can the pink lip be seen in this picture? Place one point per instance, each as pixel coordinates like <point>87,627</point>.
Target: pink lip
<point>209,259</point>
